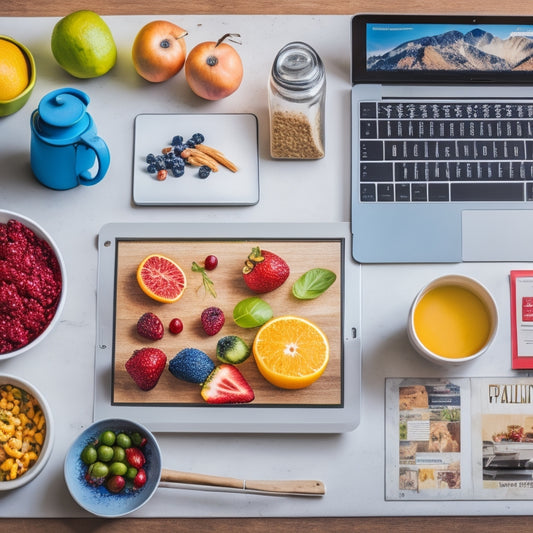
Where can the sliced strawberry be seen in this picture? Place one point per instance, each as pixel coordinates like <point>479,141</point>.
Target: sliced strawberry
<point>226,384</point>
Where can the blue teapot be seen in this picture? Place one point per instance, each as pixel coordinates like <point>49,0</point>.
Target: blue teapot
<point>64,142</point>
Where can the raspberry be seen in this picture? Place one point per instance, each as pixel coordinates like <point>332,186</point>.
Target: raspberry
<point>30,285</point>
<point>150,327</point>
<point>212,320</point>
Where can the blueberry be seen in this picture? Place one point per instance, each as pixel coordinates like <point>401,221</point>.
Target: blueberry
<point>179,148</point>
<point>190,143</point>
<point>204,171</point>
<point>198,138</point>
<point>178,163</point>
<point>169,161</point>
<point>177,139</point>
<point>150,158</point>
<point>151,168</point>
<point>191,364</point>
<point>178,172</point>
<point>160,162</point>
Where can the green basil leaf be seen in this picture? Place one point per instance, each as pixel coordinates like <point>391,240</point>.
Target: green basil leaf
<point>313,283</point>
<point>252,312</point>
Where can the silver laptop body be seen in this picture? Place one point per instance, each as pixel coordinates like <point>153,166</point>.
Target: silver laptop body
<point>444,229</point>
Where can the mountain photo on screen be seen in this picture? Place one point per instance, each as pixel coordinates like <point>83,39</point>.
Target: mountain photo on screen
<point>444,47</point>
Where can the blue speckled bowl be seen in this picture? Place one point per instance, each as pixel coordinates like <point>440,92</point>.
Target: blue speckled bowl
<point>98,500</point>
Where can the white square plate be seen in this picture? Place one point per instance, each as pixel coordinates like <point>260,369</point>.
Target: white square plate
<point>235,135</point>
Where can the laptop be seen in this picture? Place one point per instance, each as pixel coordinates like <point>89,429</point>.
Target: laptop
<point>442,138</point>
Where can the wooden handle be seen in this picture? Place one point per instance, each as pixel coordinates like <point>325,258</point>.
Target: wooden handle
<point>293,487</point>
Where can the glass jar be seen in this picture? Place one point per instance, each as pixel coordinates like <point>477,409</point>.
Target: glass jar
<point>297,90</point>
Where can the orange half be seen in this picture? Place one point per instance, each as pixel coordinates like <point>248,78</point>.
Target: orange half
<point>291,352</point>
<point>161,278</point>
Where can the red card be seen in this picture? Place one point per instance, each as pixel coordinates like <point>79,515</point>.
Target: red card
<point>522,319</point>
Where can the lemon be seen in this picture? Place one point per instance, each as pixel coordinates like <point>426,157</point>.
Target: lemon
<point>14,75</point>
<point>83,45</point>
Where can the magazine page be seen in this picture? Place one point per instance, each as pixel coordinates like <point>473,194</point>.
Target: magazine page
<point>502,438</point>
<point>428,453</point>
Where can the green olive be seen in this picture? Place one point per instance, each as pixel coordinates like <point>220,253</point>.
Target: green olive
<point>107,437</point>
<point>98,470</point>
<point>123,440</point>
<point>119,455</point>
<point>131,472</point>
<point>118,469</point>
<point>89,454</point>
<point>105,453</point>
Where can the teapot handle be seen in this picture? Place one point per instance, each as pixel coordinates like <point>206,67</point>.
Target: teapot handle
<point>101,150</point>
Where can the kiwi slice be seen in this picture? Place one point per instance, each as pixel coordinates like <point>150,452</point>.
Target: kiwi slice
<point>232,349</point>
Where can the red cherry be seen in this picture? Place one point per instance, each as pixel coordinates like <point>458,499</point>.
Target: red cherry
<point>210,262</point>
<point>175,326</point>
<point>140,478</point>
<point>115,484</point>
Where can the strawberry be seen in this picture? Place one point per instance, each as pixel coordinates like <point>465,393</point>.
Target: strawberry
<point>150,327</point>
<point>135,457</point>
<point>226,384</point>
<point>212,320</point>
<point>145,367</point>
<point>264,271</point>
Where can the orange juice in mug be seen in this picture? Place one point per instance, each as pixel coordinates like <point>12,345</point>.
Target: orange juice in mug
<point>452,320</point>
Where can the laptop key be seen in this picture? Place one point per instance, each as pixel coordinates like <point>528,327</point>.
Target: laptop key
<point>368,192</point>
<point>403,192</point>
<point>368,110</point>
<point>438,192</point>
<point>376,172</point>
<point>371,151</point>
<point>385,192</point>
<point>419,192</point>
<point>486,192</point>
<point>529,192</point>
<point>369,129</point>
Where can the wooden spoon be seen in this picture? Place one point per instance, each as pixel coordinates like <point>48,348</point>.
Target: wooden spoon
<point>285,487</point>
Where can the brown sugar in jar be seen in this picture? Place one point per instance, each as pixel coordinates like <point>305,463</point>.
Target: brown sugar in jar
<point>297,103</point>
<point>294,137</point>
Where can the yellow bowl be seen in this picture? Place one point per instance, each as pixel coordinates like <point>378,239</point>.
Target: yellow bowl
<point>8,107</point>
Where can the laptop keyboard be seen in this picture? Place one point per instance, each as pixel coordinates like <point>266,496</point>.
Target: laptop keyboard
<point>446,151</point>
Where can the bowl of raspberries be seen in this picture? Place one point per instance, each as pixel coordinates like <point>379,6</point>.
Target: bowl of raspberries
<point>32,284</point>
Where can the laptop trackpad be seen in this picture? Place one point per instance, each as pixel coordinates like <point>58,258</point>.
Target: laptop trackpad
<point>493,235</point>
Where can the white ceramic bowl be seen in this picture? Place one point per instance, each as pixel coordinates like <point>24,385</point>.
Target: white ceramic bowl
<point>5,216</point>
<point>48,444</point>
<point>477,289</point>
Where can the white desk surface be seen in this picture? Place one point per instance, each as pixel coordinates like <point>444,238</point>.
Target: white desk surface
<point>350,464</point>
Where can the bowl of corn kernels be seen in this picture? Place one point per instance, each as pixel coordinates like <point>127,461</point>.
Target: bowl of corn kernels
<point>26,432</point>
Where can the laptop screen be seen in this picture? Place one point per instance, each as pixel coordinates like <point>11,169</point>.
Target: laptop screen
<point>411,48</point>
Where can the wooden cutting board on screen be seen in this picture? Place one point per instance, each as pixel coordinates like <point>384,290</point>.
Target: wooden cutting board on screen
<point>130,303</point>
